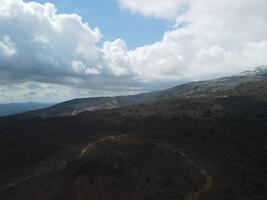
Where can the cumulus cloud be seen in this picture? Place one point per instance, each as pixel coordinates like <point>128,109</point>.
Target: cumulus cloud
<point>44,43</point>
<point>7,47</point>
<point>165,9</point>
<point>43,50</point>
<point>38,44</point>
<point>116,57</point>
<point>211,39</point>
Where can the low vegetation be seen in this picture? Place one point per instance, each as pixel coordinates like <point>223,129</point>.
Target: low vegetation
<point>216,149</point>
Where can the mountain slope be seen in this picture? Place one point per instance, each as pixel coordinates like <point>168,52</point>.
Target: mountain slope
<point>218,87</point>
<point>202,147</point>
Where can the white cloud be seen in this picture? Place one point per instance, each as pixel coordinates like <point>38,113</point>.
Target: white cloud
<point>209,39</point>
<point>80,67</point>
<point>165,9</point>
<point>7,47</point>
<point>116,57</point>
<point>213,38</point>
<point>46,43</point>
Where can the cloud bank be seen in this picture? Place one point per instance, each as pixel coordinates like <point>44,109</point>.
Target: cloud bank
<point>58,55</point>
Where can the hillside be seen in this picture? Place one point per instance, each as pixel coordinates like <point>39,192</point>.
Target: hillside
<point>204,140</point>
<point>217,87</point>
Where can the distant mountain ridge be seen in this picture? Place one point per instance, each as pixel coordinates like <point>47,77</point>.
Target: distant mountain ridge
<point>260,71</point>
<point>217,88</point>
<point>16,108</point>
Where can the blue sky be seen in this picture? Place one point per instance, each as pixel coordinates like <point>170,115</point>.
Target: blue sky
<point>50,56</point>
<point>115,22</point>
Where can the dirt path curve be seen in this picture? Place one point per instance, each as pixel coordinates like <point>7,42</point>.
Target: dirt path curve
<point>91,145</point>
<point>205,175</point>
<point>60,165</point>
<point>34,175</point>
<point>84,151</point>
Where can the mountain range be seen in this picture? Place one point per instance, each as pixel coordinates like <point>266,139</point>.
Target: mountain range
<point>16,108</point>
<point>217,87</point>
<point>197,141</point>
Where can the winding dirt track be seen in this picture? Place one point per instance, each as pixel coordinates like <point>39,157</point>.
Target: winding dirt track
<point>193,196</point>
<point>205,175</point>
<point>58,166</point>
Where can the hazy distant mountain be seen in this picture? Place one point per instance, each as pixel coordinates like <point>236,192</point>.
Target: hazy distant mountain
<point>217,87</point>
<point>16,108</point>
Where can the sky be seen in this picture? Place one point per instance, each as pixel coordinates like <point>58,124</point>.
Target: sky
<point>115,22</point>
<point>56,50</point>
